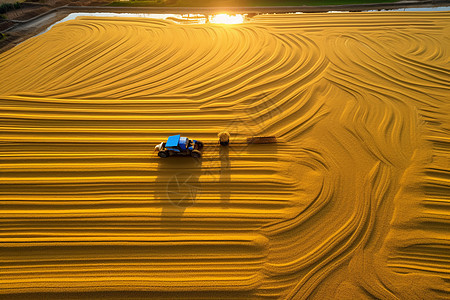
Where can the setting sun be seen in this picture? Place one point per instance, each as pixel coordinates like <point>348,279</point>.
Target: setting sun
<point>227,19</point>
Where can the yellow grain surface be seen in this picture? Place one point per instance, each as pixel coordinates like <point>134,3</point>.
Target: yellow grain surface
<point>351,203</point>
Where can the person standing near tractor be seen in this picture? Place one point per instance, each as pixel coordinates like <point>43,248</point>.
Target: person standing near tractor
<point>224,138</point>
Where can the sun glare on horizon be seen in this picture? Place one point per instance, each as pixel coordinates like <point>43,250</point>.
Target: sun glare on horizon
<point>226,19</point>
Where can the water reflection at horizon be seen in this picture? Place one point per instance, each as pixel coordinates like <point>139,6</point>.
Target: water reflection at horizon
<point>194,18</point>
<point>176,18</point>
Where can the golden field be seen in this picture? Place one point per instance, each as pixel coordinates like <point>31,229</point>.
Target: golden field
<point>351,203</point>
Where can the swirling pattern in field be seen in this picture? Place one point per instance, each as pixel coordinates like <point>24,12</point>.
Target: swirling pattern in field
<point>352,201</point>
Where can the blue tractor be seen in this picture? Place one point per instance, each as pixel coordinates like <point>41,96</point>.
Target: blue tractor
<point>178,145</point>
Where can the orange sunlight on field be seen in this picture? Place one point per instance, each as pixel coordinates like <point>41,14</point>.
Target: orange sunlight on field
<point>350,203</point>
<point>227,19</point>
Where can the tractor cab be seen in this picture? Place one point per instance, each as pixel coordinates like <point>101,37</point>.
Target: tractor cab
<point>176,143</point>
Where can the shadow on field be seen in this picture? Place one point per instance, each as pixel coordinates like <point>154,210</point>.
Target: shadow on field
<point>177,187</point>
<point>225,176</point>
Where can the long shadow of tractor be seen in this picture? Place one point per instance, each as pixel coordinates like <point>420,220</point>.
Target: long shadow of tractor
<point>177,187</point>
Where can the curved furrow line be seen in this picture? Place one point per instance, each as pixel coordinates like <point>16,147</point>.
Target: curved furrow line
<point>317,194</point>
<point>422,79</point>
<point>362,124</point>
<point>378,71</point>
<point>43,61</point>
<point>272,71</point>
<point>427,71</point>
<point>167,75</point>
<point>394,129</point>
<point>416,49</point>
<point>381,73</point>
<point>66,65</point>
<point>112,44</point>
<point>233,81</point>
<point>237,41</point>
<point>280,106</point>
<point>207,63</point>
<point>122,86</point>
<point>295,117</point>
<point>115,75</point>
<point>83,67</point>
<point>319,255</point>
<point>297,68</point>
<point>349,238</point>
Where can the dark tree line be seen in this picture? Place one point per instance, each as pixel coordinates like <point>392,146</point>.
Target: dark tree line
<point>5,7</point>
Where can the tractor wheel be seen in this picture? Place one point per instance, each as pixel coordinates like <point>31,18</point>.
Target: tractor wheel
<point>196,154</point>
<point>199,145</point>
<point>163,154</point>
